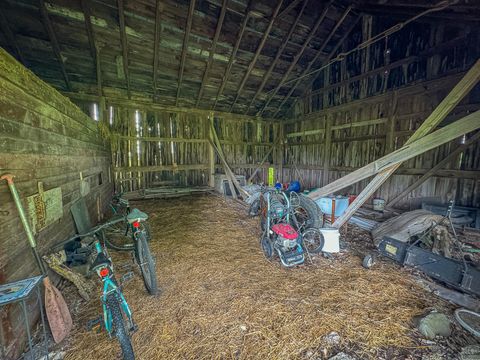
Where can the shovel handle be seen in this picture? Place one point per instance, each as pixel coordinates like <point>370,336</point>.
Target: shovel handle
<point>23,217</point>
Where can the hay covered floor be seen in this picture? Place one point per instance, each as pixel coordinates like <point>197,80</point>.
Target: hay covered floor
<point>221,299</point>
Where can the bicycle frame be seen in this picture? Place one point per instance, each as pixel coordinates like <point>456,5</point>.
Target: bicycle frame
<point>109,286</point>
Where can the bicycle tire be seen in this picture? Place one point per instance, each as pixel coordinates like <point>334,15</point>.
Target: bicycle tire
<point>119,328</point>
<point>313,240</point>
<point>466,325</point>
<point>146,263</point>
<point>118,237</point>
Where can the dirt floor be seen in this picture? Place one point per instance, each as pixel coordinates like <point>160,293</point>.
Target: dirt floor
<point>221,299</point>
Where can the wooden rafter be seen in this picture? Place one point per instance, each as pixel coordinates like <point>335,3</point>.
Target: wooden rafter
<point>156,47</point>
<point>53,41</point>
<point>257,53</point>
<point>233,54</point>
<point>314,60</point>
<point>212,50</point>
<point>191,9</point>
<point>278,54</point>
<point>10,37</point>
<point>94,51</point>
<point>332,53</point>
<point>298,56</point>
<point>289,8</point>
<point>124,41</point>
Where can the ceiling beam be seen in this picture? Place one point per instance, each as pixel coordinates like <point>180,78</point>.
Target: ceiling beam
<point>233,54</point>
<point>10,37</point>
<point>277,56</point>
<point>191,9</point>
<point>289,8</point>
<point>212,50</point>
<point>332,53</point>
<point>124,41</point>
<point>314,60</point>
<point>257,53</point>
<point>156,46</point>
<point>298,56</point>
<point>53,41</point>
<point>94,51</point>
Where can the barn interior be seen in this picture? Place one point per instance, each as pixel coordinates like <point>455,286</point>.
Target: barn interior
<point>306,176</point>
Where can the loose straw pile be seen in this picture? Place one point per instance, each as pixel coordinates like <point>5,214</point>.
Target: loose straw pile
<point>221,299</point>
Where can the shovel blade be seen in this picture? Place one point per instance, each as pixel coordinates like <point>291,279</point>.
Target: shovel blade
<point>58,315</point>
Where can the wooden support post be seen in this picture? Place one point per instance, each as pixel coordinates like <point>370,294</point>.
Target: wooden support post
<point>54,42</point>
<point>464,86</point>
<point>156,46</point>
<point>327,148</point>
<point>451,157</point>
<point>280,151</point>
<point>392,119</point>
<point>211,150</point>
<point>191,10</point>
<point>124,41</point>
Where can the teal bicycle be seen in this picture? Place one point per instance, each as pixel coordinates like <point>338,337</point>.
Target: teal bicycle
<point>117,316</point>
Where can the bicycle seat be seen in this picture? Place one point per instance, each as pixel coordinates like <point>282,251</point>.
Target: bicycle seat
<point>100,261</point>
<point>136,215</point>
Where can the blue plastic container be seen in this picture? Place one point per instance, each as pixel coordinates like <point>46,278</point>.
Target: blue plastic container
<point>325,204</point>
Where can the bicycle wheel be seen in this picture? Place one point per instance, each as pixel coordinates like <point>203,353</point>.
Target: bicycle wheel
<point>119,327</point>
<point>313,240</point>
<point>470,320</point>
<point>147,264</point>
<point>119,236</point>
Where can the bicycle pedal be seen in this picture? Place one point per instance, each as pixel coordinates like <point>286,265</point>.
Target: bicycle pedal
<point>126,277</point>
<point>95,324</point>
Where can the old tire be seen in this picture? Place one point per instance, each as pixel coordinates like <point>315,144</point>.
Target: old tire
<point>119,327</point>
<point>147,264</point>
<point>308,214</point>
<point>267,247</point>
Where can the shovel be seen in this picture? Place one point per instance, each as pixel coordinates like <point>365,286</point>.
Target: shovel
<point>57,311</point>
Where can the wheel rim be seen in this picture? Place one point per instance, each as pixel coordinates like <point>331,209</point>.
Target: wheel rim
<point>312,240</point>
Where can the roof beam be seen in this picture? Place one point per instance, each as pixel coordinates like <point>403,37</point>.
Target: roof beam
<point>10,37</point>
<point>289,8</point>
<point>233,54</point>
<point>277,56</point>
<point>257,53</point>
<point>212,50</point>
<point>299,55</point>
<point>312,62</point>
<point>91,41</point>
<point>124,41</point>
<point>332,53</point>
<point>191,9</point>
<point>53,41</point>
<point>156,46</point>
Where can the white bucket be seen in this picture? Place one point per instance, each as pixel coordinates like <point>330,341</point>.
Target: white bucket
<point>332,240</point>
<point>378,204</point>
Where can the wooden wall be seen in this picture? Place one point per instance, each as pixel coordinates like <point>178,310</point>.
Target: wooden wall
<point>152,144</point>
<point>368,104</point>
<point>43,137</point>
